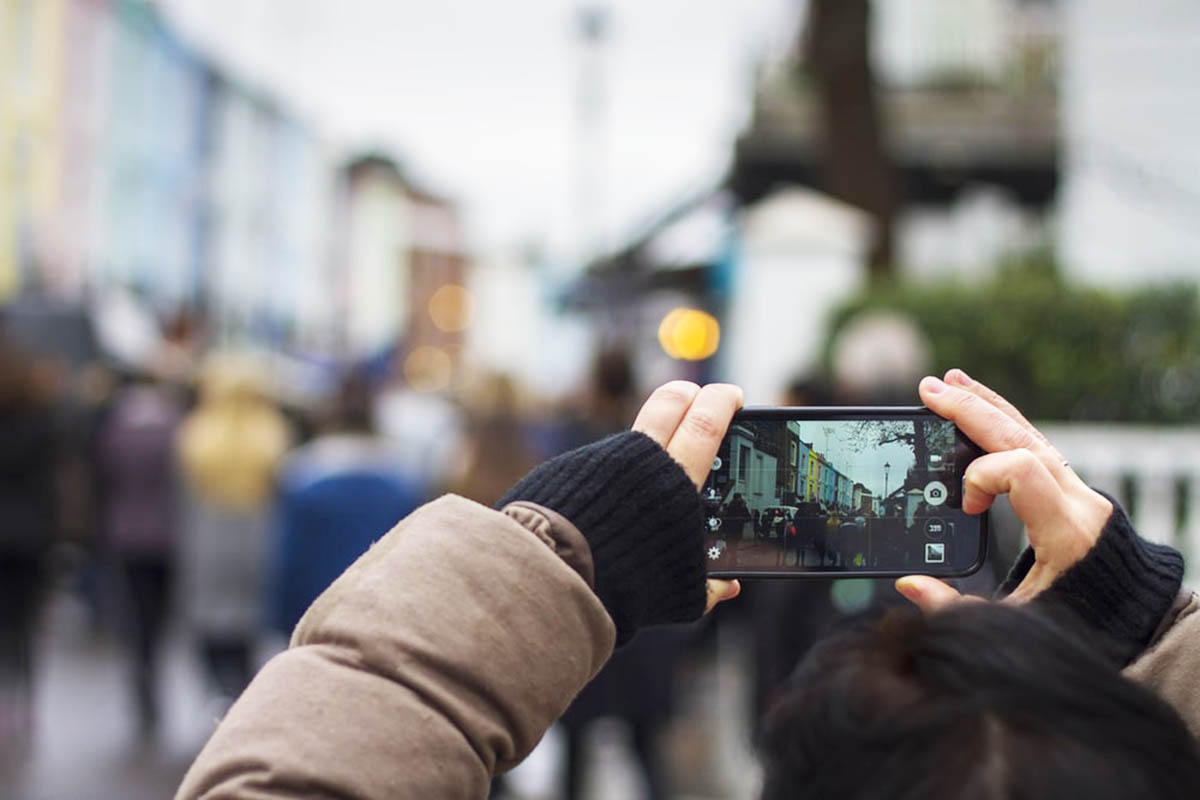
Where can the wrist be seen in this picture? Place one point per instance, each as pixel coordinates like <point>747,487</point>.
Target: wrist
<point>1119,590</point>
<point>642,518</point>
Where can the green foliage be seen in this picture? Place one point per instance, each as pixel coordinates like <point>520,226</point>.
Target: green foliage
<point>1059,351</point>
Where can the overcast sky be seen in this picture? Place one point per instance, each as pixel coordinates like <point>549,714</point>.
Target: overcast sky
<point>478,98</point>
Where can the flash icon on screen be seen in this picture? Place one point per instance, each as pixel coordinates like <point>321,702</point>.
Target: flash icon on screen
<point>935,552</point>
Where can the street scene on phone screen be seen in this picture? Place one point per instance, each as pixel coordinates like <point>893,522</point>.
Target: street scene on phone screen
<point>833,495</point>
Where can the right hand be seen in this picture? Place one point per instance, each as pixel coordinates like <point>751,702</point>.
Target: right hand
<point>689,422</point>
<point>1063,516</point>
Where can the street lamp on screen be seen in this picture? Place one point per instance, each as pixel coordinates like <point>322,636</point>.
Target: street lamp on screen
<point>886,468</point>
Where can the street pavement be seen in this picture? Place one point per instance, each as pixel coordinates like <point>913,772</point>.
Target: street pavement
<point>85,742</point>
<point>86,745</point>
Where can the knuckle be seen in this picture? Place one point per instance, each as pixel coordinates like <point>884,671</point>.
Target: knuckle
<point>703,424</point>
<point>965,402</point>
<point>972,476</point>
<point>1026,463</point>
<point>1017,438</point>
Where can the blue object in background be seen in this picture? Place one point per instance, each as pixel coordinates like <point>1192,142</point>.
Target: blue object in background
<point>326,521</point>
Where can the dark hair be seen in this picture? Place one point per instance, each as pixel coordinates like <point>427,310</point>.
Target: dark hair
<point>351,412</point>
<point>980,702</point>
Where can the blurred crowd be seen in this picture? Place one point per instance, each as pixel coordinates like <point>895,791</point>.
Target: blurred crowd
<point>197,494</point>
<point>193,494</point>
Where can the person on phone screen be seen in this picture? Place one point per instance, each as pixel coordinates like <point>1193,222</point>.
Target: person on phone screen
<point>426,668</point>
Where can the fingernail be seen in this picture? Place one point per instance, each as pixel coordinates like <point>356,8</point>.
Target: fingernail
<point>907,588</point>
<point>735,588</point>
<point>932,384</point>
<point>960,377</point>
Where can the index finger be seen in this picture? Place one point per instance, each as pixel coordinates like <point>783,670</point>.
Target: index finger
<point>663,410</point>
<point>985,424</point>
<point>959,378</point>
<point>696,441</point>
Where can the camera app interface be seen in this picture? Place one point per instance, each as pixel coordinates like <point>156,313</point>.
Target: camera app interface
<point>839,495</point>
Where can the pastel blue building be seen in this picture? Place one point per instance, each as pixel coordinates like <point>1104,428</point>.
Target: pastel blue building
<point>153,166</point>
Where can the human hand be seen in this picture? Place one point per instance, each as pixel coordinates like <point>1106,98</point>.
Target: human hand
<point>689,422</point>
<point>1063,516</point>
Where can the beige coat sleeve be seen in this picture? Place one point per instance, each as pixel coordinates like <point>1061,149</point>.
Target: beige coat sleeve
<point>438,659</point>
<point>1171,665</point>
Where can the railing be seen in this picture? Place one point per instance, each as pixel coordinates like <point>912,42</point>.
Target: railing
<point>1153,472</point>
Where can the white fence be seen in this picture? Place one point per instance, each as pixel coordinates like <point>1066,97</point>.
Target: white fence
<point>1153,471</point>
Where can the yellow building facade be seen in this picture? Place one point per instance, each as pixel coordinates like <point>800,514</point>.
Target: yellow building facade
<point>31,63</point>
<point>811,472</point>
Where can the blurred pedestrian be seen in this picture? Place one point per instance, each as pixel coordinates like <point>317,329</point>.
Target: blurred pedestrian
<point>637,687</point>
<point>137,496</point>
<point>337,495</point>
<point>425,428</point>
<point>498,450</point>
<point>230,448</point>
<point>27,528</point>
<point>737,515</point>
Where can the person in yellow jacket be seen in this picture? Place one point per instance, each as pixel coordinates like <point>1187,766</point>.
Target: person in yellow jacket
<point>230,448</point>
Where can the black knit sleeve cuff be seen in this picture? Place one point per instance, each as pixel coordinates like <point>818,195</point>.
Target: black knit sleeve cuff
<point>1119,591</point>
<point>643,520</point>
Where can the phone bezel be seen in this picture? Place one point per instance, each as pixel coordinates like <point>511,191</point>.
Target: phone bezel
<point>850,413</point>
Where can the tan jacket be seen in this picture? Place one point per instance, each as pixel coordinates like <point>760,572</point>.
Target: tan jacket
<point>422,672</point>
<point>1171,664</point>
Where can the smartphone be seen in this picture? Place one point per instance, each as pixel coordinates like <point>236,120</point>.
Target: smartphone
<point>835,492</point>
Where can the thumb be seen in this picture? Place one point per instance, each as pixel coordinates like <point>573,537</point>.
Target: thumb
<point>718,590</point>
<point>927,593</point>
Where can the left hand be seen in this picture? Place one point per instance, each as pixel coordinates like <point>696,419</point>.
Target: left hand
<point>1063,516</point>
<point>689,422</point>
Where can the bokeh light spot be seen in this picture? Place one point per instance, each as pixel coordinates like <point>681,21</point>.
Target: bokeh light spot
<point>450,308</point>
<point>428,368</point>
<point>689,334</point>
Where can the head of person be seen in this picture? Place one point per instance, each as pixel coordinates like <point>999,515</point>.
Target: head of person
<point>231,444</point>
<point>351,410</point>
<point>978,702</point>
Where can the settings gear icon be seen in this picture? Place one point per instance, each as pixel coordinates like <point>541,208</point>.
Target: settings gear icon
<point>714,553</point>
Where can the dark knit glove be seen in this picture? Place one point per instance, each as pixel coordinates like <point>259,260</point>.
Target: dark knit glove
<point>643,520</point>
<point>1119,592</point>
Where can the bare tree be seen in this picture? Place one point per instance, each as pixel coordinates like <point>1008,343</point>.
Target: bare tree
<point>855,164</point>
<point>871,434</point>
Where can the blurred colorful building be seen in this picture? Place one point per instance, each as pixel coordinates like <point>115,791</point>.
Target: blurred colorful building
<point>31,45</point>
<point>401,268</point>
<point>130,162</point>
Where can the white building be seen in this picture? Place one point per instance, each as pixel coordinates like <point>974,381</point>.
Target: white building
<point>1130,196</point>
<point>798,254</point>
<point>752,470</point>
<point>375,279</point>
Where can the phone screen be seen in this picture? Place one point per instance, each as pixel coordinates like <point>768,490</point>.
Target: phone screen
<point>870,492</point>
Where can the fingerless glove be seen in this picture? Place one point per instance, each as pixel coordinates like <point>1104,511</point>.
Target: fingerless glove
<point>1119,592</point>
<point>642,518</point>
